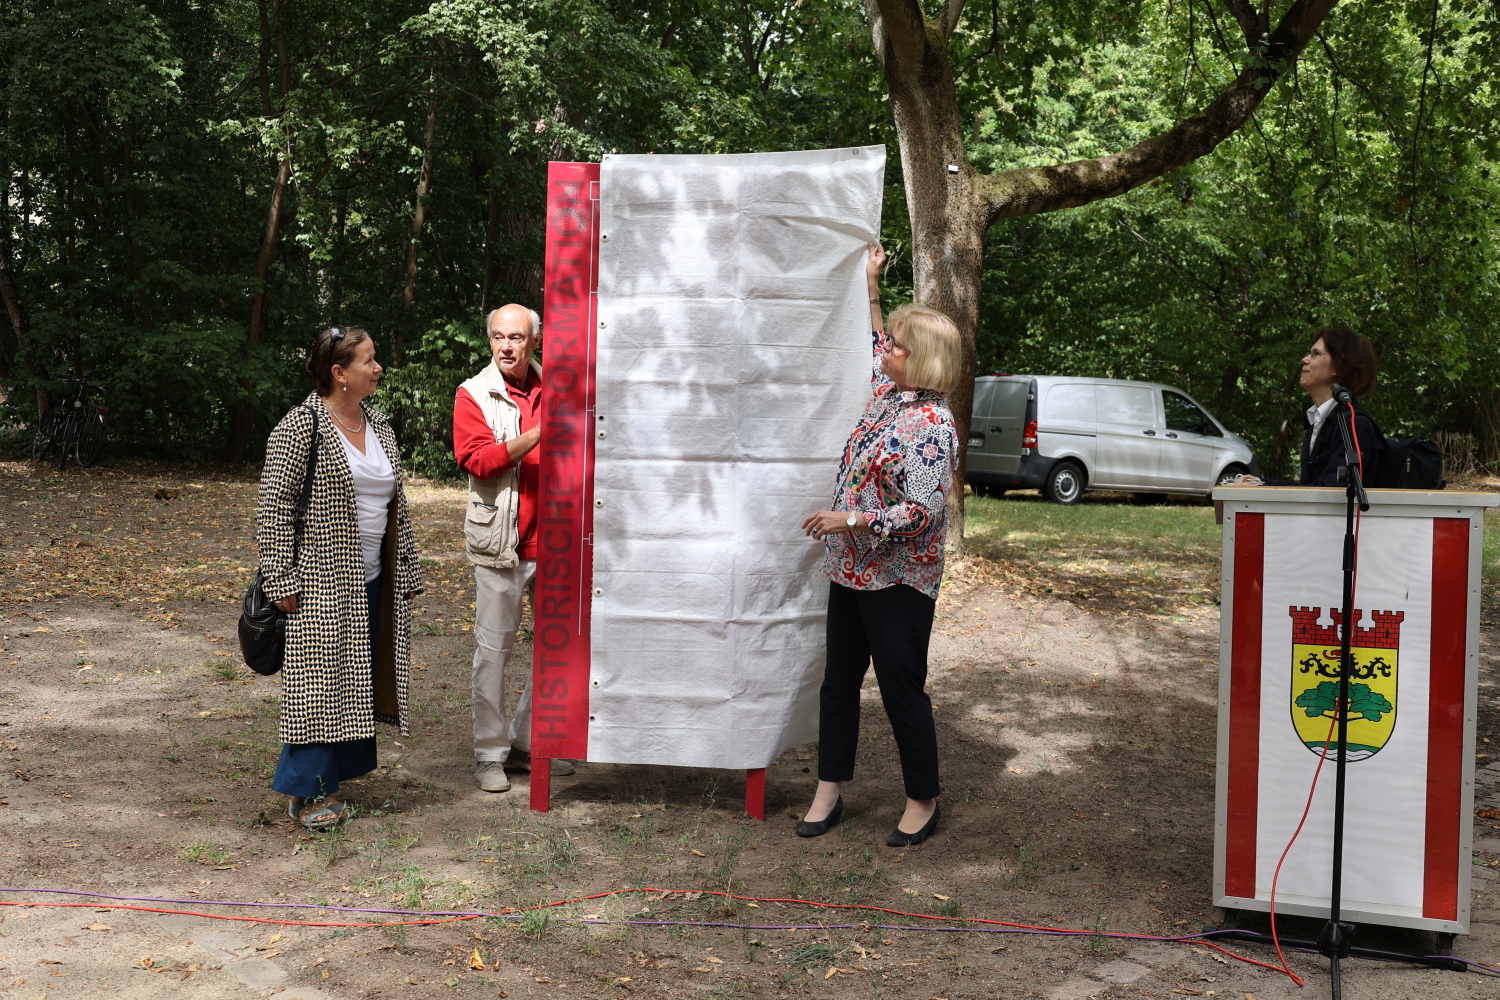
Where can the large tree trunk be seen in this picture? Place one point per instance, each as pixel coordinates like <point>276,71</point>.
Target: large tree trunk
<point>491,235</point>
<point>281,177</point>
<point>138,269</point>
<point>418,219</point>
<point>948,215</point>
<point>10,294</point>
<point>951,204</point>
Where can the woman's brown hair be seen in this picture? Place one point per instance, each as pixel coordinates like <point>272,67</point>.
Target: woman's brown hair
<point>334,346</point>
<point>1353,359</point>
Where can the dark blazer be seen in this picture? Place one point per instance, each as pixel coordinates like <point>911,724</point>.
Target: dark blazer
<point>1320,464</point>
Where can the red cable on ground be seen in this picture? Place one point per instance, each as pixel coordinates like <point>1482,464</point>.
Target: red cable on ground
<point>706,892</point>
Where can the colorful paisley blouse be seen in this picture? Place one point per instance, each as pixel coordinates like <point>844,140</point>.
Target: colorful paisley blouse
<point>896,469</point>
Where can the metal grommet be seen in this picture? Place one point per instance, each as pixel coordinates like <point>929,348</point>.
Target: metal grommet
<point>599,503</point>
<point>603,237</point>
<point>601,435</point>
<point>598,591</point>
<point>601,324</point>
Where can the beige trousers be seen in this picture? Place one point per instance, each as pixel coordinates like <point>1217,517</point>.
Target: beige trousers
<point>497,615</point>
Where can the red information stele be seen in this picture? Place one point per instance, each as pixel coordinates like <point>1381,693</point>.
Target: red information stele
<point>560,666</point>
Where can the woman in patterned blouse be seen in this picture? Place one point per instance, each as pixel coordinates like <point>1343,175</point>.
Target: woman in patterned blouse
<point>884,560</point>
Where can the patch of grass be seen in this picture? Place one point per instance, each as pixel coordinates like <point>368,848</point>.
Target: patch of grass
<point>810,955</point>
<point>534,924</point>
<point>1100,547</point>
<point>203,852</point>
<point>407,888</point>
<point>222,668</point>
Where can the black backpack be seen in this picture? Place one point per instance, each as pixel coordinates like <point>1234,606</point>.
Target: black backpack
<point>1413,464</point>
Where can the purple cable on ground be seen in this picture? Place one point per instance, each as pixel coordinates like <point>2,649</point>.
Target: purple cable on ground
<point>643,923</point>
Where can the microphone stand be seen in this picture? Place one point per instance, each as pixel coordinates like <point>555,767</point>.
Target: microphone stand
<point>1337,937</point>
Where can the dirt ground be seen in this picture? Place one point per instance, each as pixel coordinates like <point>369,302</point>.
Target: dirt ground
<point>1078,754</point>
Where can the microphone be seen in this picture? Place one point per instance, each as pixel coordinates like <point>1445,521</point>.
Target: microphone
<point>1342,396</point>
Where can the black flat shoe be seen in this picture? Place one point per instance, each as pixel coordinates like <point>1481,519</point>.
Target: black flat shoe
<point>822,826</point>
<point>900,839</point>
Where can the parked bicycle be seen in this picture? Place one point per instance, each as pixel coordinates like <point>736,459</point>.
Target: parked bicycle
<point>72,426</point>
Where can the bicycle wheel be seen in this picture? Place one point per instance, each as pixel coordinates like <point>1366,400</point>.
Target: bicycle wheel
<point>90,437</point>
<point>67,436</point>
<point>45,438</point>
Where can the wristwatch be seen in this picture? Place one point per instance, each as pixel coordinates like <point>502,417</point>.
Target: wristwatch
<point>852,519</point>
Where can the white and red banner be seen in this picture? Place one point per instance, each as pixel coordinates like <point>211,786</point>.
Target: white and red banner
<point>706,352</point>
<point>1411,714</point>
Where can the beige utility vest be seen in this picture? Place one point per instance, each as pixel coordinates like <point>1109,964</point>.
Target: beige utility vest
<point>490,531</point>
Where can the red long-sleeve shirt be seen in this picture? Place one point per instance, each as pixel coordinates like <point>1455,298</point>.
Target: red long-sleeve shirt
<point>482,457</point>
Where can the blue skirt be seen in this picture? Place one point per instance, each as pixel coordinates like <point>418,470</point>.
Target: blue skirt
<point>314,770</point>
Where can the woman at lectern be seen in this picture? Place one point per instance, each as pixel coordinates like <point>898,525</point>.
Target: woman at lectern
<point>884,559</point>
<point>1345,358</point>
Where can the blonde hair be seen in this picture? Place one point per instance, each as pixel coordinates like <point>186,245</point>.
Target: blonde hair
<point>936,359</point>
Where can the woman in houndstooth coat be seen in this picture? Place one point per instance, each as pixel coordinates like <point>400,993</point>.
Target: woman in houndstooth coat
<point>348,588</point>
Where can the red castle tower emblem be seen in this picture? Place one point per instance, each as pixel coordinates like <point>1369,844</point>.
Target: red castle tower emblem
<point>1385,634</point>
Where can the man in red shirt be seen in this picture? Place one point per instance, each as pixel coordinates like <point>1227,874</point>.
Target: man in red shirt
<point>496,428</point>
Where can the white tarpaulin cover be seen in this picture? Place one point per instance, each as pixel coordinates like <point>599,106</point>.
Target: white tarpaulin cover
<point>733,359</point>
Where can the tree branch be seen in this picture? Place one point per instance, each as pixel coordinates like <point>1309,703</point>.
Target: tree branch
<point>947,20</point>
<point>1033,190</point>
<point>1244,13</point>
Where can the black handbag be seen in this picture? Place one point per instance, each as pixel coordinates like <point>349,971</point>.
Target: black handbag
<point>262,623</point>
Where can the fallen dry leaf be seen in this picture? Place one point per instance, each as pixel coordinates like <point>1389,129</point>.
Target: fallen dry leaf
<point>543,979</point>
<point>699,853</point>
<point>274,938</point>
<point>622,980</point>
<point>475,962</point>
<point>98,927</point>
<point>938,895</point>
<point>145,963</point>
<point>1490,813</point>
<point>716,961</point>
<point>703,968</point>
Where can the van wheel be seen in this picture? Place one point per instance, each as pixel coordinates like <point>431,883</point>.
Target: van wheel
<point>1064,484</point>
<point>1231,473</point>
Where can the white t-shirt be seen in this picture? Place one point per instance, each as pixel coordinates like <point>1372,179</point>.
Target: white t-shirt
<point>374,486</point>
<point>1318,416</point>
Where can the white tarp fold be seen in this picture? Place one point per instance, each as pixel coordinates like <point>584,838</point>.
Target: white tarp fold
<point>733,359</point>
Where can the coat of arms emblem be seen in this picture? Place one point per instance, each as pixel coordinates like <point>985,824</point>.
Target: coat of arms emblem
<point>1372,685</point>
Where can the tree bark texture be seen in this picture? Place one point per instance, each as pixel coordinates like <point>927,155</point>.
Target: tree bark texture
<point>281,177</point>
<point>418,219</point>
<point>951,204</point>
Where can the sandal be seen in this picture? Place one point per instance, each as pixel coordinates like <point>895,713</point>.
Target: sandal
<point>319,815</point>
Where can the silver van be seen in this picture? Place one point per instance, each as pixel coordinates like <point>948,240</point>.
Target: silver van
<point>1066,435</point>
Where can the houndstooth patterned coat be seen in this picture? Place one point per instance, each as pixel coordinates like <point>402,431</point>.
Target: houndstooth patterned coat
<point>327,693</point>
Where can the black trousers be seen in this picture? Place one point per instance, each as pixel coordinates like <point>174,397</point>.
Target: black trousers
<point>890,626</point>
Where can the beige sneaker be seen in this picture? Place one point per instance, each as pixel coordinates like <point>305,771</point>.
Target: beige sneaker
<point>520,760</point>
<point>490,776</point>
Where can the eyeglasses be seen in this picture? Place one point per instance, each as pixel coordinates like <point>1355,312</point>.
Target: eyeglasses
<point>889,343</point>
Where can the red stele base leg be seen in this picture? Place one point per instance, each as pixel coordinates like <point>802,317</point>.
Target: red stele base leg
<point>755,793</point>
<point>541,784</point>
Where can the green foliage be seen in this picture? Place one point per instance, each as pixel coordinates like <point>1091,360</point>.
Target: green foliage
<point>138,144</point>
<point>1323,701</point>
<point>1362,194</point>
